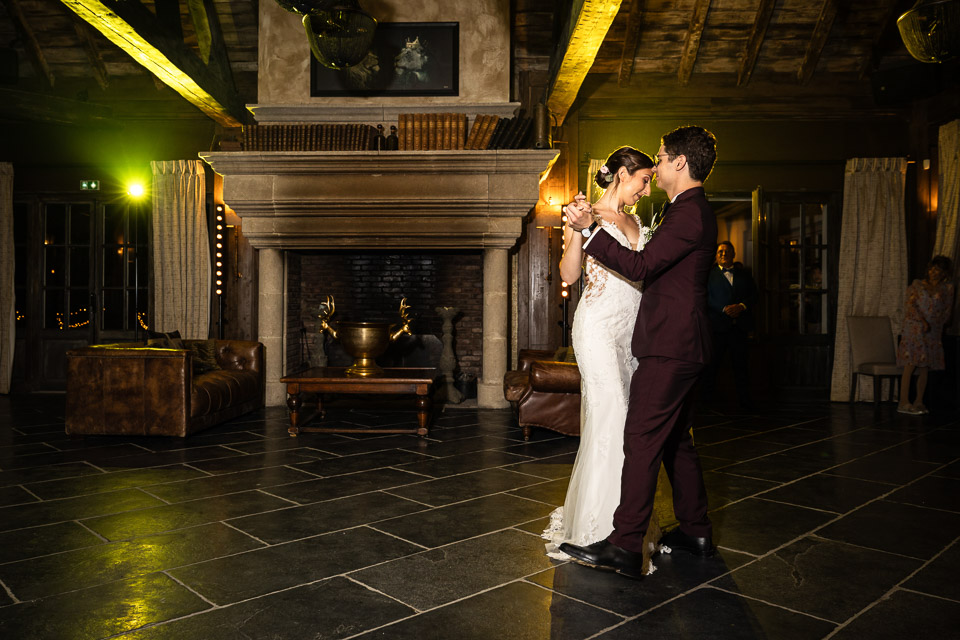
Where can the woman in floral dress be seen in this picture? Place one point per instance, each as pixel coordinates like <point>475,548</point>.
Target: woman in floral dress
<point>928,306</point>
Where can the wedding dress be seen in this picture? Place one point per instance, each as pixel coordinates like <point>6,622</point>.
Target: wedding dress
<point>602,332</point>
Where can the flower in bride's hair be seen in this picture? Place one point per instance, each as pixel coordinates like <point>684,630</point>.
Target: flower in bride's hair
<point>604,169</point>
<point>605,172</point>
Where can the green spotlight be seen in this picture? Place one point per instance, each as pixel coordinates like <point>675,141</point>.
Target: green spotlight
<point>135,189</point>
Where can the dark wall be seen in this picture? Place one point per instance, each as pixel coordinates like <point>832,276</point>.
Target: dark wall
<point>783,155</point>
<point>54,158</point>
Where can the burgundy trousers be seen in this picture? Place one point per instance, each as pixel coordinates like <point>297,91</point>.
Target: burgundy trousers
<point>659,418</point>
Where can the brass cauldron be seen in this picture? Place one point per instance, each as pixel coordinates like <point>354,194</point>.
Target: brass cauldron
<point>364,341</point>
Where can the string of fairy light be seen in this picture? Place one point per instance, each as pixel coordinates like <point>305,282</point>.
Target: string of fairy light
<point>218,270</point>
<point>564,285</point>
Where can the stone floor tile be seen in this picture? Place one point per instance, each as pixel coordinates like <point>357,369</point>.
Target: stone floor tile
<point>828,492</point>
<point>906,529</point>
<point>336,608</point>
<point>757,526</point>
<point>939,577</point>
<point>810,576</point>
<point>102,611</point>
<point>246,575</point>
<point>709,613</point>
<point>517,610</point>
<point>905,615</point>
<point>436,577</point>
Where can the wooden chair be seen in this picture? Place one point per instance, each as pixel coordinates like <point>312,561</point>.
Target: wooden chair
<point>873,352</point>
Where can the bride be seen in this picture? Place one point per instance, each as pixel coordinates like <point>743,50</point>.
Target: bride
<point>602,329</point>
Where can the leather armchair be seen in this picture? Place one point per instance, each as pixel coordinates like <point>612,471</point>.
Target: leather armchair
<point>545,393</point>
<point>123,389</point>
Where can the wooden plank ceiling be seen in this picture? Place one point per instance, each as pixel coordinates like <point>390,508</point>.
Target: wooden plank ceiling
<point>706,56</point>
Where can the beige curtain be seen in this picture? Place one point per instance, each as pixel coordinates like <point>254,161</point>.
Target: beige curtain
<point>873,257</point>
<point>948,207</point>
<point>6,276</point>
<point>181,249</point>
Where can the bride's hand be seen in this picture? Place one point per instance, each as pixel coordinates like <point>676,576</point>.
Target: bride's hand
<point>579,212</point>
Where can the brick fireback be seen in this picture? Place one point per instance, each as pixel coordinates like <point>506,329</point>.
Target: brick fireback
<point>368,285</point>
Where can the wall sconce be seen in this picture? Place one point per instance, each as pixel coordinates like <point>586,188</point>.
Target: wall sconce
<point>340,32</point>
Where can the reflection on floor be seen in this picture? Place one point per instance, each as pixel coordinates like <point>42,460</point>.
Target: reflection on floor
<point>832,521</point>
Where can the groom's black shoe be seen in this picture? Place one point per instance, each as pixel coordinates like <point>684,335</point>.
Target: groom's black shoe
<point>606,555</point>
<point>677,539</point>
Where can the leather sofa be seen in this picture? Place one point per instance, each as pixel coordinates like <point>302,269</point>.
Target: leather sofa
<point>129,389</point>
<point>544,392</point>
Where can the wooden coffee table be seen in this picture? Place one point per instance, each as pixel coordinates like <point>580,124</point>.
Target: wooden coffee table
<point>398,381</point>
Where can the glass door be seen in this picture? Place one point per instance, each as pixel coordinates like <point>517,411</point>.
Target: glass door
<point>796,236</point>
<point>80,278</point>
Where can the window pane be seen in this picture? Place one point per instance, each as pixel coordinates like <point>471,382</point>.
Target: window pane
<point>56,224</point>
<point>54,272</point>
<point>53,309</point>
<point>789,267</point>
<point>112,313</point>
<point>112,266</point>
<point>20,305</point>
<point>141,300</point>
<point>788,222</point>
<point>139,227</point>
<point>813,221</point>
<point>813,275</point>
<point>79,308</point>
<point>789,311</point>
<point>815,312</point>
<point>79,266</point>
<point>21,223</point>
<point>136,269</point>
<point>80,224</point>
<point>113,220</point>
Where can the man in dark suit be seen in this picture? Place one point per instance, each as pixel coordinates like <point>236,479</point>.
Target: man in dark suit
<point>731,296</point>
<point>673,344</point>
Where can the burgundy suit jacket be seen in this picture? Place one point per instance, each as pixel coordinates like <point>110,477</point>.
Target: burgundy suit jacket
<point>672,320</point>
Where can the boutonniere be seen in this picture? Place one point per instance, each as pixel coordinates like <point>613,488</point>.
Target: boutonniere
<point>648,233</point>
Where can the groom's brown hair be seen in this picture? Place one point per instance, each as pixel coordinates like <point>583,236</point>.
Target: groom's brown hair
<point>698,145</point>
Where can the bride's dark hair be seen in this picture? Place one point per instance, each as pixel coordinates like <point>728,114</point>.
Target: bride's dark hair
<point>628,157</point>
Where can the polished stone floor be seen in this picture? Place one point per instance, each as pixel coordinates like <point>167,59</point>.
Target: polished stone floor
<point>833,522</point>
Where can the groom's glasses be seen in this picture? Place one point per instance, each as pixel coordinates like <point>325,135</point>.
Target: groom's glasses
<point>661,156</point>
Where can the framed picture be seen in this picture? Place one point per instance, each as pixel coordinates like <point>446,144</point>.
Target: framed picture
<point>407,59</point>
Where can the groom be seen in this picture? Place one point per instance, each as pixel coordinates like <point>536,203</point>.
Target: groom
<point>672,343</point>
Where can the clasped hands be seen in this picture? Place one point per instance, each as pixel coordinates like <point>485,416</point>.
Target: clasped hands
<point>579,212</point>
<point>734,310</point>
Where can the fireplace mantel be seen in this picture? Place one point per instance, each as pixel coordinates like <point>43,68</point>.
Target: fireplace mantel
<point>382,199</point>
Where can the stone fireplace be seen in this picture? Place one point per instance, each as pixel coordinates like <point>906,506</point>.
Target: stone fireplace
<point>294,205</point>
<point>361,201</point>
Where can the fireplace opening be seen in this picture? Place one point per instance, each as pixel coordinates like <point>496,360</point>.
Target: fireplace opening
<point>368,285</point>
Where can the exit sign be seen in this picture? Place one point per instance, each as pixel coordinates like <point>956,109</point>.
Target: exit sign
<point>90,185</point>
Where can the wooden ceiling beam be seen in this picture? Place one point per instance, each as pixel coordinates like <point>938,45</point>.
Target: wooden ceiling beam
<point>887,20</point>
<point>18,105</point>
<point>37,58</point>
<point>168,16</point>
<point>691,43</point>
<point>90,47</point>
<point>754,41</point>
<point>630,41</point>
<point>136,30</point>
<point>828,12</point>
<point>583,33</point>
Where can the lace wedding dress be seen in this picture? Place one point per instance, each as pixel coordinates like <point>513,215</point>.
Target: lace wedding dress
<point>602,332</point>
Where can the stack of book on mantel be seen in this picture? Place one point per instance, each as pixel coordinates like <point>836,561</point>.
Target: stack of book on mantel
<point>431,131</point>
<point>308,137</point>
<point>494,132</point>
